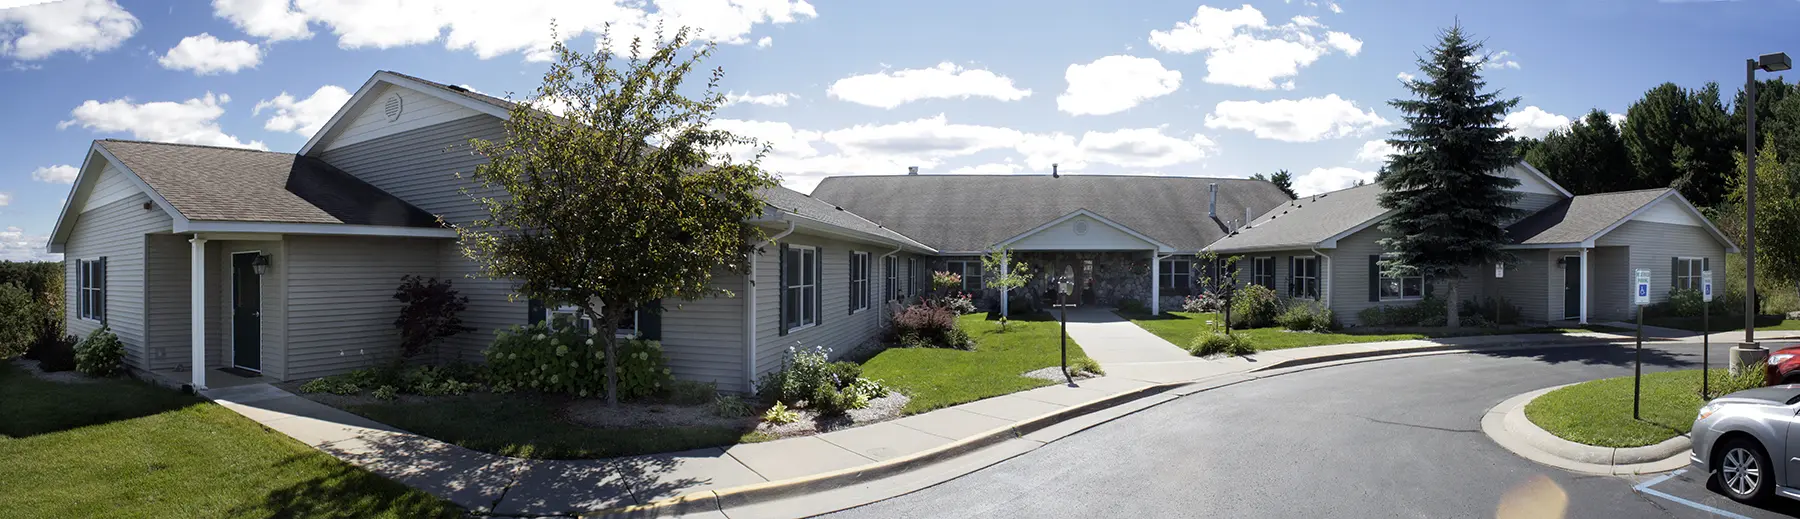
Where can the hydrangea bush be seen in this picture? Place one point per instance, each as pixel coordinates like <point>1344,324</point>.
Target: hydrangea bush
<point>565,361</point>
<point>101,354</point>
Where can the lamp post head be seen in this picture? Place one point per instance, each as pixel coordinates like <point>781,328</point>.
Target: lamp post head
<point>1776,62</point>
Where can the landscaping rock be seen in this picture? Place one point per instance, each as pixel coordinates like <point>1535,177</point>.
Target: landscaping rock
<point>880,409</point>
<point>66,377</point>
<point>1054,374</point>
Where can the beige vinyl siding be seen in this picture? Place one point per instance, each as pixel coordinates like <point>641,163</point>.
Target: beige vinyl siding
<point>112,186</point>
<point>167,293</point>
<point>838,330</point>
<point>1610,284</point>
<point>273,294</point>
<point>341,305</point>
<point>1559,278</point>
<point>703,340</point>
<point>115,231</point>
<point>1653,244</point>
<point>421,166</point>
<point>1528,283</point>
<point>418,110</point>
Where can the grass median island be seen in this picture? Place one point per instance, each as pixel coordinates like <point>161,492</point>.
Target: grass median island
<point>120,448</point>
<point>938,377</point>
<point>1181,327</point>
<point>1598,412</point>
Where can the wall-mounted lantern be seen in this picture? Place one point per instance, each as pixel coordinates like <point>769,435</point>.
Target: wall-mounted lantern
<point>260,264</point>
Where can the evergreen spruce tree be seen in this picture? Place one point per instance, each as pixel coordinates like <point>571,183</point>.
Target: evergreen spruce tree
<point>1446,199</point>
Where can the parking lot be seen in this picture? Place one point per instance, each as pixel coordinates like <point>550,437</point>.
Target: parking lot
<point>1683,494</point>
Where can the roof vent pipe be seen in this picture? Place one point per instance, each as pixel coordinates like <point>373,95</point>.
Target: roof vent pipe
<point>1053,173</point>
<point>1246,217</point>
<point>912,170</point>
<point>1212,203</point>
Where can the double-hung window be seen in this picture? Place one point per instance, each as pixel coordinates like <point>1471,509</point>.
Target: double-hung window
<point>1304,277</point>
<point>970,272</point>
<point>1401,288</point>
<point>560,317</point>
<point>890,267</point>
<point>859,281</point>
<point>1176,276</point>
<point>1687,272</point>
<point>1262,271</point>
<point>92,289</point>
<point>802,287</point>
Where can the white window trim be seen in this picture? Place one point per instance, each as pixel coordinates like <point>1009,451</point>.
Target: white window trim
<point>81,291</point>
<point>1382,278</point>
<point>1171,275</point>
<point>964,272</point>
<point>861,297</point>
<point>1297,277</point>
<point>1256,270</point>
<point>1696,265</point>
<point>818,273</point>
<point>890,267</point>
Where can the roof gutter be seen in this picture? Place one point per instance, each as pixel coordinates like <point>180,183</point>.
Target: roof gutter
<point>750,311</point>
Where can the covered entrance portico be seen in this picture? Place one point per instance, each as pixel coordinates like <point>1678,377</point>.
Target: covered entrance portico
<point>217,302</point>
<point>1107,262</point>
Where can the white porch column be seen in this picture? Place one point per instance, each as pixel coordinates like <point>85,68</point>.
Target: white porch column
<point>197,303</point>
<point>1584,284</point>
<point>1155,283</point>
<point>1005,293</point>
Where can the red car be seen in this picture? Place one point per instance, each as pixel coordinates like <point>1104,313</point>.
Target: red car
<point>1784,366</point>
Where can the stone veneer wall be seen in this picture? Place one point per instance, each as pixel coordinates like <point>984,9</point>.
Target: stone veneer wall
<point>1118,275</point>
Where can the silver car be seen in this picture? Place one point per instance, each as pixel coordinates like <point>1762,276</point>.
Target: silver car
<point>1737,435</point>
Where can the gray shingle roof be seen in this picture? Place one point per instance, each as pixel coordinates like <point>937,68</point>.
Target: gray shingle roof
<point>471,94</point>
<point>1580,218</point>
<point>1307,221</point>
<point>794,203</point>
<point>228,184</point>
<point>964,213</point>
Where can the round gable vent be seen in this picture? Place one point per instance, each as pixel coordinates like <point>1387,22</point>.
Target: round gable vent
<point>1081,227</point>
<point>393,106</point>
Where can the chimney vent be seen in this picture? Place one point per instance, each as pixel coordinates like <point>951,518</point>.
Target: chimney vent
<point>912,170</point>
<point>1212,203</point>
<point>1053,173</point>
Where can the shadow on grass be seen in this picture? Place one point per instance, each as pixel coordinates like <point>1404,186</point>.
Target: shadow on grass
<point>31,406</point>
<point>534,426</point>
<point>343,491</point>
<point>1039,316</point>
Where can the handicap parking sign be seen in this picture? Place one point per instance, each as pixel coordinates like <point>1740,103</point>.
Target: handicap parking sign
<point>1706,285</point>
<point>1643,287</point>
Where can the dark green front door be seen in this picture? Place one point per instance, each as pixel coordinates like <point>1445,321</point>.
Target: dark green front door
<point>1572,287</point>
<point>246,312</point>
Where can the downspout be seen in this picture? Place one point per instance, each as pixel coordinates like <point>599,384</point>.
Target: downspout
<point>750,312</point>
<point>1325,288</point>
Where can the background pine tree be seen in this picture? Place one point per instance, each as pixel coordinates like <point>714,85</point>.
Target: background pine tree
<point>1448,204</point>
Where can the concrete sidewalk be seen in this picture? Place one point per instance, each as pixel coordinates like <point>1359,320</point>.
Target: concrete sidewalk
<point>1114,341</point>
<point>920,449</point>
<point>1728,337</point>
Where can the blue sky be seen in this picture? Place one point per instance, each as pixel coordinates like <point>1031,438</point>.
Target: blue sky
<point>847,88</point>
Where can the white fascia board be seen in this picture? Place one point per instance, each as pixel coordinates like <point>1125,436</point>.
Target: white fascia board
<point>821,228</point>
<point>84,186</point>
<point>327,229</point>
<point>1160,246</point>
<point>1685,204</point>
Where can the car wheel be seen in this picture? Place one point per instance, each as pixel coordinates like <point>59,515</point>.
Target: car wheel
<point>1744,471</point>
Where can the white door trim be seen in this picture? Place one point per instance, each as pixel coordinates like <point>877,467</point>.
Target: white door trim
<point>231,340</point>
<point>1582,290</point>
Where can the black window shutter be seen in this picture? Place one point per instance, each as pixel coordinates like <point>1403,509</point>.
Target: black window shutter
<point>1706,264</point>
<point>1674,271</point>
<point>819,286</point>
<point>1429,285</point>
<point>850,284</point>
<point>1374,277</point>
<point>100,306</point>
<point>781,288</point>
<point>649,321</point>
<point>1291,288</point>
<point>534,311</point>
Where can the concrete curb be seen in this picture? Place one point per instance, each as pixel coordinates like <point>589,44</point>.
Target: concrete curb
<point>1437,348</point>
<point>714,500</point>
<point>1507,425</point>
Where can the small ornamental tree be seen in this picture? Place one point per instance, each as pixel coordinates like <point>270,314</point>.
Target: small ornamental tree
<point>623,197</point>
<point>429,313</point>
<point>1224,287</point>
<point>1442,186</point>
<point>998,277</point>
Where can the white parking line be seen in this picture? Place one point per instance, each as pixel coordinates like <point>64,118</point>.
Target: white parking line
<point>1645,488</point>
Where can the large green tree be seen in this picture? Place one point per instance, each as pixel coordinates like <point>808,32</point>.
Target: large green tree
<point>624,197</point>
<point>1777,216</point>
<point>1683,139</point>
<point>1282,180</point>
<point>1587,157</point>
<point>1771,94</point>
<point>1447,201</point>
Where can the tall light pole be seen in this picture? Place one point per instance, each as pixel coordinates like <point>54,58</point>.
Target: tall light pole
<point>1749,353</point>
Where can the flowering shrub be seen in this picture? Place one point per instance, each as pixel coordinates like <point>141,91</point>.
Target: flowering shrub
<point>1255,306</point>
<point>100,354</point>
<point>960,304</point>
<point>566,361</point>
<point>943,280</point>
<point>1203,303</point>
<point>809,379</point>
<point>930,326</point>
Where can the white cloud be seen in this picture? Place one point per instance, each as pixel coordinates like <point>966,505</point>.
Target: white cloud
<point>1115,84</point>
<point>930,138</point>
<point>1533,122</point>
<point>1128,148</point>
<point>1243,49</point>
<point>1321,180</point>
<point>765,42</point>
<point>1375,151</point>
<point>1335,8</point>
<point>1618,119</point>
<point>1496,60</point>
<point>194,121</point>
<point>490,29</point>
<point>1303,120</point>
<point>1404,76</point>
<point>35,32</point>
<point>206,55</point>
<point>15,245</point>
<point>304,116</point>
<point>274,20</point>
<point>58,174</point>
<point>944,81</point>
<point>993,168</point>
<point>776,99</point>
<point>5,199</point>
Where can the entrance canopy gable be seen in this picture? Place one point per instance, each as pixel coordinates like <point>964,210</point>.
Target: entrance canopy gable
<point>1083,230</point>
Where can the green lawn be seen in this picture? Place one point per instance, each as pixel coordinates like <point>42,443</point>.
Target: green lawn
<point>936,377</point>
<point>126,449</point>
<point>1598,412</point>
<point>531,426</point>
<point>1181,327</point>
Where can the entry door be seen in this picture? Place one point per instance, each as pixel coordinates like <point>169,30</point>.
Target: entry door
<point>1572,287</point>
<point>246,312</point>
